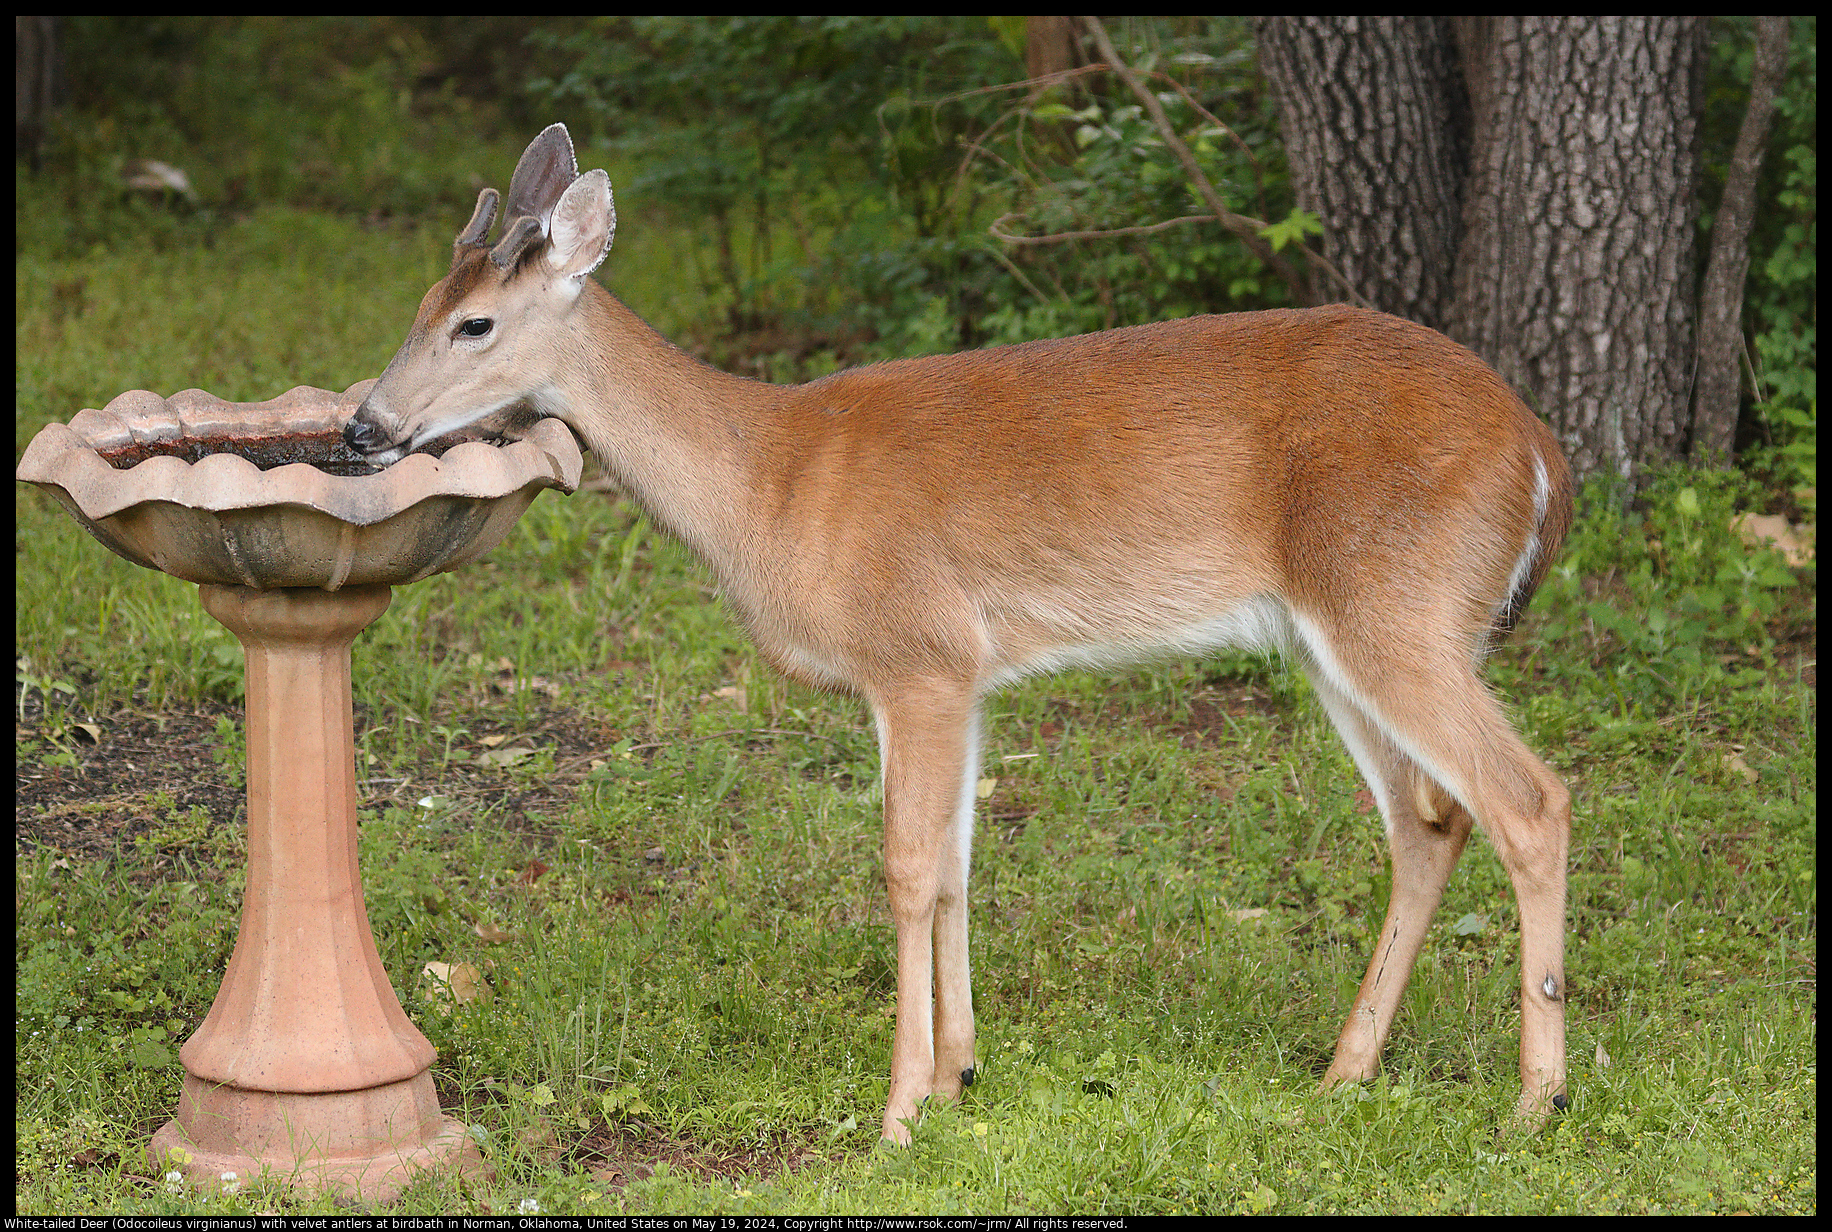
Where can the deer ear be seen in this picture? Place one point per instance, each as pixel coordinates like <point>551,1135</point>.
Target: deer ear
<point>546,168</point>
<point>583,222</point>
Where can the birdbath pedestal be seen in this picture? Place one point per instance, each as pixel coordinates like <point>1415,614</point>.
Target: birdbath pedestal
<point>305,1069</point>
<point>306,1061</point>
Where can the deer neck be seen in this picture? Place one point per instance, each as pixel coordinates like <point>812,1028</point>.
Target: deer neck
<point>686,441</point>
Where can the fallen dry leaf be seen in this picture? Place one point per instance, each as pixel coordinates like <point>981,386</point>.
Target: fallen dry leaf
<point>504,757</point>
<point>1794,542</point>
<point>1736,763</point>
<point>463,980</point>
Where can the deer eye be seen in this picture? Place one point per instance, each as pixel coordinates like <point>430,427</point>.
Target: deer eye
<point>476,327</point>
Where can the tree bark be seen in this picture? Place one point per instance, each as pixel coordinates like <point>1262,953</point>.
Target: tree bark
<point>1376,130</point>
<point>1049,45</point>
<point>1719,394</point>
<point>37,84</point>
<point>1544,168</point>
<point>1575,274</point>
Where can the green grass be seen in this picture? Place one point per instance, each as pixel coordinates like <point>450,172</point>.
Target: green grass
<point>690,955</point>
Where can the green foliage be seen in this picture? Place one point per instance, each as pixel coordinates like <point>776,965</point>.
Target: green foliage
<point>372,116</point>
<point>1672,603</point>
<point>846,169</point>
<point>741,122</point>
<point>114,990</point>
<point>1292,229</point>
<point>1085,158</point>
<point>1785,300</point>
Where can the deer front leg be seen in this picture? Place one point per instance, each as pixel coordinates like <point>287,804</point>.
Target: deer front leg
<point>929,742</point>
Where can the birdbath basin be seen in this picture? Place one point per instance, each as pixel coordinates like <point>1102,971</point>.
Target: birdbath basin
<point>306,1067</point>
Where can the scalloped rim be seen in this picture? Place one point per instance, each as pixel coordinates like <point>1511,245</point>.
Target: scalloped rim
<point>66,456</point>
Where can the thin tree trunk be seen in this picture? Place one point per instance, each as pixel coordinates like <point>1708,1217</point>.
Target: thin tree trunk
<point>1049,45</point>
<point>1718,397</point>
<point>37,84</point>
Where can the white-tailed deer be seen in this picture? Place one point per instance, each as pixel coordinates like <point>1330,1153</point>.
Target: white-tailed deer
<point>1346,487</point>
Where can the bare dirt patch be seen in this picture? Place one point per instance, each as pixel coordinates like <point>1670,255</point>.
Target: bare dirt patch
<point>619,1156</point>
<point>86,784</point>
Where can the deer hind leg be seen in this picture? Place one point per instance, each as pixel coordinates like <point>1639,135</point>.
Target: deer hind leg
<point>1445,751</point>
<point>929,742</point>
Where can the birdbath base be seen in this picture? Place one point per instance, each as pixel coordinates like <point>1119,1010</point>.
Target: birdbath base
<point>306,1069</point>
<point>368,1144</point>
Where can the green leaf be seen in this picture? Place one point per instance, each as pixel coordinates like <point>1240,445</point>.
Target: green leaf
<point>151,1054</point>
<point>1293,229</point>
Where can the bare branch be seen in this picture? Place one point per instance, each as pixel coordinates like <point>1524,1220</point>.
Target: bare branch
<point>1061,237</point>
<point>1029,83</point>
<point>1012,269</point>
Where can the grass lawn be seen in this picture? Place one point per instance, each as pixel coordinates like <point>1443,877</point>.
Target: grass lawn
<point>662,861</point>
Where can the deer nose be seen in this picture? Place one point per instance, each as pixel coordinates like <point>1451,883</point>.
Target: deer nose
<point>363,437</point>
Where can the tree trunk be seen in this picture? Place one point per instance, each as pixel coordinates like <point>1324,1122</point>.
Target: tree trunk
<point>1049,45</point>
<point>1376,131</point>
<point>1544,167</point>
<point>1575,277</point>
<point>37,84</point>
<point>1719,395</point>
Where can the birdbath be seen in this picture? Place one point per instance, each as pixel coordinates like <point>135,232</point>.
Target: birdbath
<point>306,1067</point>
